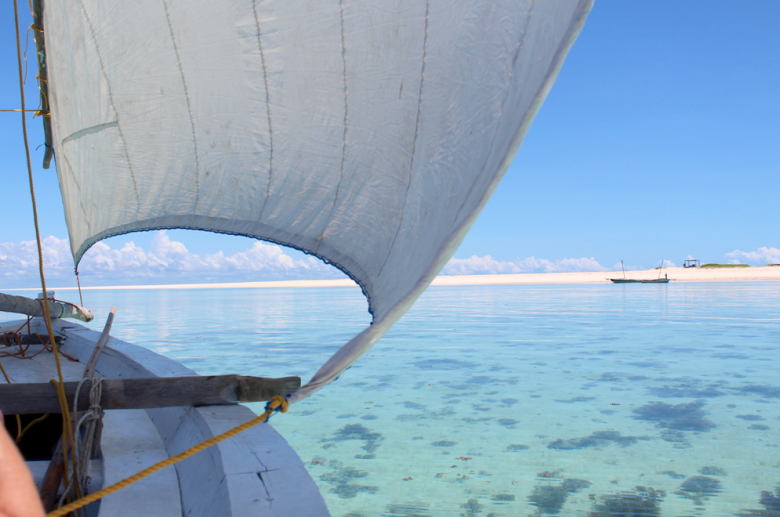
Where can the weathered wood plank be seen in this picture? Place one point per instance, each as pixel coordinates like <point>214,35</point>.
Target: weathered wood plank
<point>26,399</point>
<point>89,371</point>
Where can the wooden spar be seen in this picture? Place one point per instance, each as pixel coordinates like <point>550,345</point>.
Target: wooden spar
<point>30,307</point>
<point>89,371</point>
<point>153,392</point>
<point>52,479</point>
<point>43,79</point>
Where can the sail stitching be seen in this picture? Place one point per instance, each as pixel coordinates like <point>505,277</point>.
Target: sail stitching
<point>503,105</point>
<point>268,109</point>
<point>346,120</point>
<point>111,100</point>
<point>414,141</point>
<point>189,107</point>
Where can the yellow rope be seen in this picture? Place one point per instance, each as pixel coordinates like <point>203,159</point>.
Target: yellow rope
<point>7,379</point>
<point>67,430</point>
<point>38,113</point>
<point>47,316</point>
<point>28,426</point>
<point>276,402</point>
<point>19,431</point>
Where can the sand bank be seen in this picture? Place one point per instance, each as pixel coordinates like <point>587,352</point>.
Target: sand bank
<point>748,274</point>
<point>675,274</point>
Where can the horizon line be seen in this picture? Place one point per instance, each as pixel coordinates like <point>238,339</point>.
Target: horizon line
<point>574,277</point>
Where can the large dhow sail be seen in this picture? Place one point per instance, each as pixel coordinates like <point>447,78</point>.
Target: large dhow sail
<point>369,133</point>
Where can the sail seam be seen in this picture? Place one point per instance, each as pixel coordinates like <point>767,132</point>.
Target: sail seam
<point>111,100</point>
<point>267,107</point>
<point>346,120</point>
<point>189,107</point>
<point>414,141</point>
<point>520,45</point>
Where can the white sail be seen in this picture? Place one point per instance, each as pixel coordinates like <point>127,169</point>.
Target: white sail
<point>368,133</point>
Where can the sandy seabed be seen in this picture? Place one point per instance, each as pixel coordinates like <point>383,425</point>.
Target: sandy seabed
<point>677,274</point>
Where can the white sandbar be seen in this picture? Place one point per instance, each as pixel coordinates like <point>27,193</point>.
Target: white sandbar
<point>747,274</point>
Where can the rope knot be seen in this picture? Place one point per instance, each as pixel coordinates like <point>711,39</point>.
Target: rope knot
<point>277,403</point>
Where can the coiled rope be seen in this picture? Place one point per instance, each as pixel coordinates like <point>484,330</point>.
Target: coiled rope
<point>84,442</point>
<point>277,403</point>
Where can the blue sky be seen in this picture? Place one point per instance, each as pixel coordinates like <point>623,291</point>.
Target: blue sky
<point>658,141</point>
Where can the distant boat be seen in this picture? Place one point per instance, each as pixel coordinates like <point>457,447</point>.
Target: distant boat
<point>625,280</point>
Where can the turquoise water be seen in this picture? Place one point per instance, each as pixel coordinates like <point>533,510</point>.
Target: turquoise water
<point>508,400</point>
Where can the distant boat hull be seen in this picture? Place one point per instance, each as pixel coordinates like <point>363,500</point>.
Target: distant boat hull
<point>632,281</point>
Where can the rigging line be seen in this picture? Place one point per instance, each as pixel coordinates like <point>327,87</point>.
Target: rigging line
<point>81,298</point>
<point>44,301</point>
<point>19,432</point>
<point>36,112</point>
<point>416,131</point>
<point>28,426</point>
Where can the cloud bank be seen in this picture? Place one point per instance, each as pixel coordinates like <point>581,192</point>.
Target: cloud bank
<point>167,261</point>
<point>487,265</point>
<point>760,257</point>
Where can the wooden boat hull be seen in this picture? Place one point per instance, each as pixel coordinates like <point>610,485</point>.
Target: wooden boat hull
<point>633,281</point>
<point>255,473</point>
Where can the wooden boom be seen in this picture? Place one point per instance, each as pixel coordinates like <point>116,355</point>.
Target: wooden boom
<point>153,392</point>
<point>30,307</point>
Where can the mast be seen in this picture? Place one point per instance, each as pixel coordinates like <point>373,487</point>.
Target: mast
<point>623,268</point>
<point>43,79</point>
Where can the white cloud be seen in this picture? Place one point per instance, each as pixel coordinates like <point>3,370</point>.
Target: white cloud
<point>487,265</point>
<point>21,259</point>
<point>167,261</point>
<point>759,257</point>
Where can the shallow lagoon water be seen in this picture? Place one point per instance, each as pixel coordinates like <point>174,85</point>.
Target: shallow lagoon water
<point>597,400</point>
